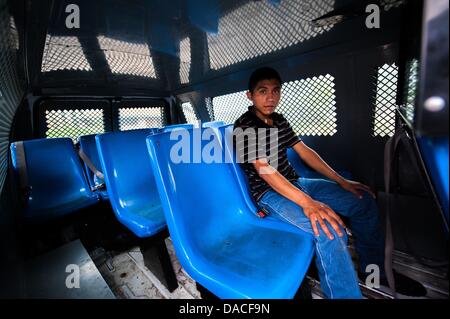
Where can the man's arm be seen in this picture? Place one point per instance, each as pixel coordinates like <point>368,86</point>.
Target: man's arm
<point>310,157</point>
<point>314,210</point>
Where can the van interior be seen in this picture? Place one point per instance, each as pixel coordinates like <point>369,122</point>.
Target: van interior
<point>91,204</point>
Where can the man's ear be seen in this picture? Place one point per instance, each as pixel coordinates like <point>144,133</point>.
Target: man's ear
<point>249,96</point>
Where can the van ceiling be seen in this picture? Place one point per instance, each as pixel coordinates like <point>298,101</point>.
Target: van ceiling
<point>161,46</point>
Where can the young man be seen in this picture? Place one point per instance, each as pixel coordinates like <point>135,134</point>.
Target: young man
<point>312,205</point>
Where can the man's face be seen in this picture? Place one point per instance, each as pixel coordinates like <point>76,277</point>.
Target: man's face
<point>265,96</point>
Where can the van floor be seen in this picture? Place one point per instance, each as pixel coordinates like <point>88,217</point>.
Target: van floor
<point>129,278</point>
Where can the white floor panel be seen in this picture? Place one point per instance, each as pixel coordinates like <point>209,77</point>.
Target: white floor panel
<point>128,277</point>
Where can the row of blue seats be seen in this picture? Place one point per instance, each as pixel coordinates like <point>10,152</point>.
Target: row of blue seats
<point>51,180</point>
<point>207,208</point>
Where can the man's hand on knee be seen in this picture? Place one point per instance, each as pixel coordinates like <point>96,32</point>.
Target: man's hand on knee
<point>319,212</point>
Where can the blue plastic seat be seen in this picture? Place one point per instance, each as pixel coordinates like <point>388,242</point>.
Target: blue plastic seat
<point>304,171</point>
<point>217,238</point>
<point>89,147</point>
<point>172,127</point>
<point>129,181</point>
<point>213,124</point>
<point>226,137</point>
<point>55,183</point>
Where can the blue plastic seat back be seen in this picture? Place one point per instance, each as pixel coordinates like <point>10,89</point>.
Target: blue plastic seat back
<point>172,127</point>
<point>297,163</point>
<point>213,124</point>
<point>192,177</point>
<point>89,147</point>
<point>304,171</point>
<point>218,240</point>
<point>129,180</point>
<point>55,178</point>
<point>435,154</point>
<point>226,134</point>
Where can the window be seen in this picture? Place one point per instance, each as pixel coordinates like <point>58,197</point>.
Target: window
<point>386,92</point>
<point>229,107</point>
<point>11,88</point>
<point>74,122</point>
<point>63,53</point>
<point>309,105</point>
<point>209,108</point>
<point>412,81</point>
<point>127,57</point>
<point>131,118</point>
<point>185,60</point>
<point>261,27</point>
<point>189,113</point>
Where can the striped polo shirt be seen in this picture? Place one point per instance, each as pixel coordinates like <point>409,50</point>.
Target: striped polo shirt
<point>254,139</point>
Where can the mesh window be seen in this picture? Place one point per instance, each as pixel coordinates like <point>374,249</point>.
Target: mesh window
<point>261,27</point>
<point>74,122</point>
<point>127,57</point>
<point>209,108</point>
<point>412,81</point>
<point>63,53</point>
<point>309,105</point>
<point>141,117</point>
<point>11,88</point>
<point>386,92</point>
<point>185,60</point>
<point>229,107</point>
<point>189,113</point>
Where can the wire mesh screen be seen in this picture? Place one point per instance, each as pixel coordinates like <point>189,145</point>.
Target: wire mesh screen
<point>261,27</point>
<point>189,113</point>
<point>131,118</point>
<point>127,57</point>
<point>412,81</point>
<point>63,53</point>
<point>229,107</point>
<point>209,108</point>
<point>309,105</point>
<point>74,122</point>
<point>185,60</point>
<point>11,88</point>
<point>385,100</point>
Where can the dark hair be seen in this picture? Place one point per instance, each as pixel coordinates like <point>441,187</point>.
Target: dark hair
<point>264,73</point>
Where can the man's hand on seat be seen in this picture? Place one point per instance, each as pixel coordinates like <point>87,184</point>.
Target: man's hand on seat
<point>319,212</point>
<point>356,188</point>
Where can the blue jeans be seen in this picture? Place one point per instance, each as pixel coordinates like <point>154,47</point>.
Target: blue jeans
<point>337,275</point>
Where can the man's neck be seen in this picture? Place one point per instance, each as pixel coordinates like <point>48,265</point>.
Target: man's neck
<point>265,118</point>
